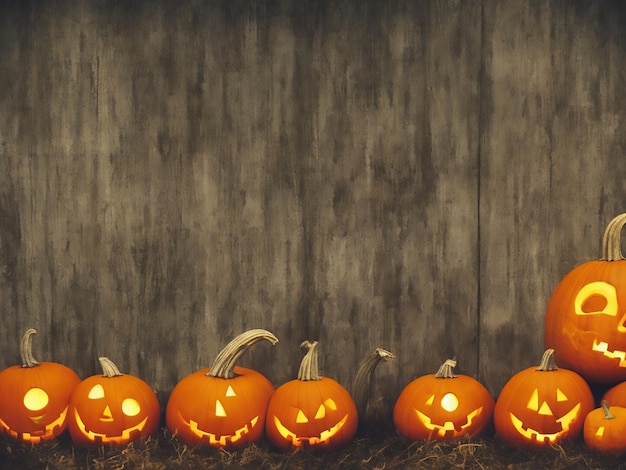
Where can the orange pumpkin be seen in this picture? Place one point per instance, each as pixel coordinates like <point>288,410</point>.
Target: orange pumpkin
<point>605,429</point>
<point>224,405</point>
<point>543,405</point>
<point>112,408</point>
<point>616,395</point>
<point>35,396</point>
<point>312,410</point>
<point>443,406</point>
<point>585,319</point>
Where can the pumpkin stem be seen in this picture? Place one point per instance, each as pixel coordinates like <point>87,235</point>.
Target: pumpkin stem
<point>446,371</point>
<point>607,412</point>
<point>109,369</point>
<point>309,367</point>
<point>611,242</point>
<point>225,361</point>
<point>26,349</point>
<point>363,378</point>
<point>547,361</point>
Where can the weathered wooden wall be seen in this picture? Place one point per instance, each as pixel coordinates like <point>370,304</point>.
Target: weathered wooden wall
<point>415,175</point>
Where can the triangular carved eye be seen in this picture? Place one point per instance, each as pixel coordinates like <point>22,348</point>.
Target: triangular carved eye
<point>330,403</point>
<point>560,396</point>
<point>219,409</point>
<point>430,400</point>
<point>230,392</point>
<point>533,402</point>
<point>301,418</point>
<point>321,412</point>
<point>96,392</point>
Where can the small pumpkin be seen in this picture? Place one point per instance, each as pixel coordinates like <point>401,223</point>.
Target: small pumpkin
<point>112,408</point>
<point>604,429</point>
<point>224,405</point>
<point>543,405</point>
<point>585,319</point>
<point>311,410</point>
<point>443,406</point>
<point>35,396</point>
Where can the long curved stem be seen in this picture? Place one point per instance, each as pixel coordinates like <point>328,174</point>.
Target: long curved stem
<point>26,349</point>
<point>226,359</point>
<point>612,239</point>
<point>309,367</point>
<point>109,369</point>
<point>363,378</point>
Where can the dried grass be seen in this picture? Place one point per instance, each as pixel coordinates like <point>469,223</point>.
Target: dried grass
<point>165,452</point>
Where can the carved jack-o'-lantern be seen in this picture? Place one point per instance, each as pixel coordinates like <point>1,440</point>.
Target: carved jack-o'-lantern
<point>585,319</point>
<point>443,406</point>
<point>34,397</point>
<point>112,408</point>
<point>311,410</point>
<point>224,405</point>
<point>544,405</point>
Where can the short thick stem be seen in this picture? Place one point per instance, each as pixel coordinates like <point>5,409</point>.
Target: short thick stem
<point>109,369</point>
<point>547,361</point>
<point>446,371</point>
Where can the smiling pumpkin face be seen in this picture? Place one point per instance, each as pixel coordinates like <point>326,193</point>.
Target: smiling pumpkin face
<point>311,410</point>
<point>317,413</point>
<point>443,406</point>
<point>112,409</point>
<point>585,318</point>
<point>223,405</point>
<point>541,406</point>
<point>35,400</point>
<point>217,411</point>
<point>35,396</point>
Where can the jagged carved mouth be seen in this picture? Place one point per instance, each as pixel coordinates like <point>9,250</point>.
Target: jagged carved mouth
<point>448,428</point>
<point>323,437</point>
<point>37,436</point>
<point>223,440</point>
<point>106,439</point>
<point>533,435</point>
<point>603,347</point>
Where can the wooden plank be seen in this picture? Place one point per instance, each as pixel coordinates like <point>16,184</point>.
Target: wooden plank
<point>551,163</point>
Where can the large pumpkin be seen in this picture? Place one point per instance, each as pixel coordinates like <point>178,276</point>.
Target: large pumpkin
<point>311,410</point>
<point>443,406</point>
<point>224,405</point>
<point>543,405</point>
<point>34,397</point>
<point>585,319</point>
<point>112,408</point>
